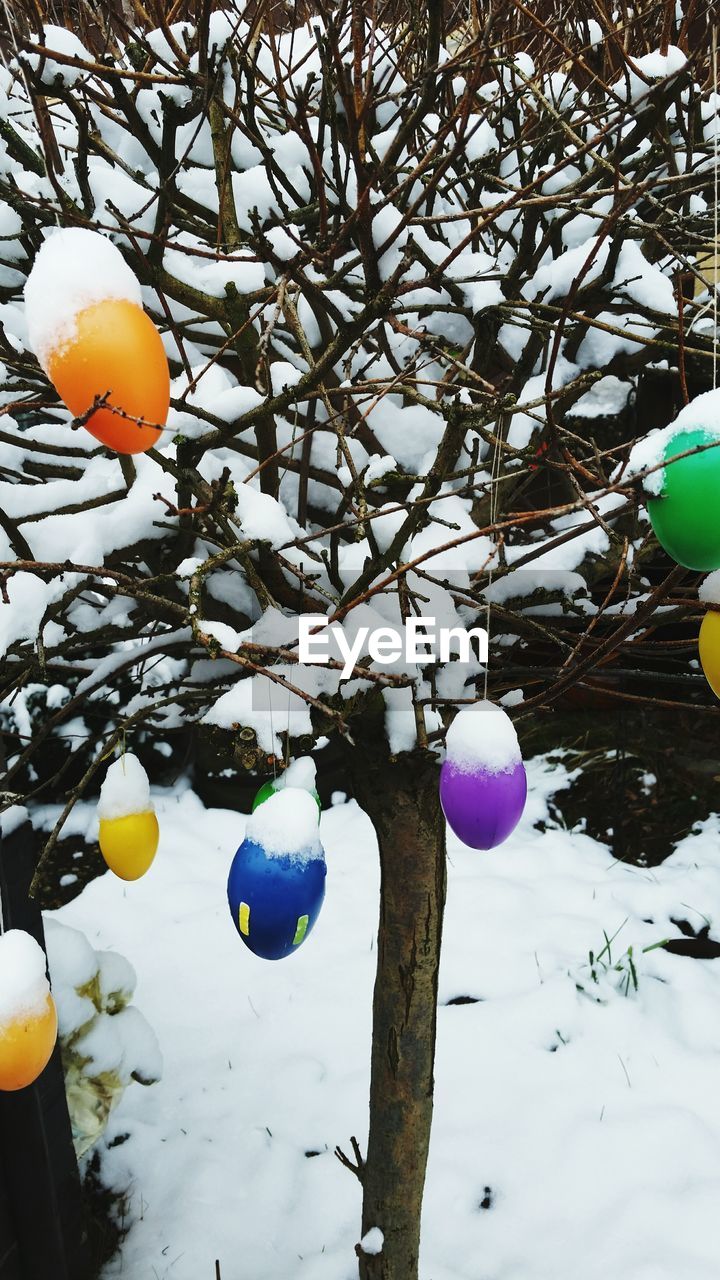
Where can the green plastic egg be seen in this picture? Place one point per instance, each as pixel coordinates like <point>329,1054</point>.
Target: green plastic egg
<point>686,516</point>
<point>267,789</point>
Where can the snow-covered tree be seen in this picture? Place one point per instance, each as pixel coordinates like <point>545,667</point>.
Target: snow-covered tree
<point>422,282</point>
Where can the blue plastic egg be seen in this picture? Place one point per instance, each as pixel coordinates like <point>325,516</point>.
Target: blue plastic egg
<point>274,901</point>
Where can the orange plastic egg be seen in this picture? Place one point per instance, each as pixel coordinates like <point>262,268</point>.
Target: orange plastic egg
<point>26,1043</point>
<point>117,349</point>
<point>129,844</point>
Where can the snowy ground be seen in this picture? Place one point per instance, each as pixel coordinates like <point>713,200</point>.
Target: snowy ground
<point>596,1126</point>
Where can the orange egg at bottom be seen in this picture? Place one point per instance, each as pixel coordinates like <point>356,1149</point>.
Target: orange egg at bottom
<point>26,1044</point>
<point>129,844</point>
<point>709,646</point>
<point>116,349</point>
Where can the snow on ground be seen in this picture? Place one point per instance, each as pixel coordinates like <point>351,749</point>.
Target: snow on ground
<point>587,1120</point>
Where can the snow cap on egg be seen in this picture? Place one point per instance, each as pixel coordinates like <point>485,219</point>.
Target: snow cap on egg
<point>482,738</point>
<point>74,269</point>
<point>286,826</point>
<point>701,414</point>
<point>24,987</point>
<point>300,773</point>
<point>126,789</point>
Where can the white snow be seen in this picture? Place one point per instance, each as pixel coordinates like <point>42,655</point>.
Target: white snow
<point>606,398</point>
<point>372,1242</point>
<point>634,276</point>
<point>379,467</point>
<point>286,825</point>
<point>649,453</point>
<point>524,423</point>
<point>126,789</point>
<point>188,566</point>
<point>555,278</point>
<point>64,42</point>
<point>117,978</point>
<point>70,957</point>
<point>141,1055</point>
<point>575,1114</point>
<point>480,139</point>
<point>482,736</point>
<point>709,589</point>
<point>12,818</point>
<point>299,773</point>
<point>226,636</point>
<point>74,269</point>
<point>400,724</point>
<point>284,246</point>
<point>406,432</point>
<point>213,277</point>
<point>642,281</point>
<point>29,597</point>
<point>652,66</point>
<point>24,986</point>
<point>92,990</point>
<point>122,1042</point>
<point>268,708</point>
<point>703,411</point>
<point>263,517</point>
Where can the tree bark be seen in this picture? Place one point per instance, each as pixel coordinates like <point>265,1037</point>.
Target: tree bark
<point>400,795</point>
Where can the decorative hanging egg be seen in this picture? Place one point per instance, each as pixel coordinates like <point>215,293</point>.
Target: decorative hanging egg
<point>276,884</point>
<point>686,513</point>
<point>87,327</point>
<point>299,773</point>
<point>129,832</point>
<point>709,646</point>
<point>483,785</point>
<point>28,1017</point>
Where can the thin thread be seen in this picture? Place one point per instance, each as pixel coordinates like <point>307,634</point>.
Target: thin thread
<point>271,687</point>
<point>302,587</point>
<point>494,477</point>
<point>715,246</point>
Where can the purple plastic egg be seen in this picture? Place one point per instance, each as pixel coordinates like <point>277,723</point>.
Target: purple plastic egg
<point>482,808</point>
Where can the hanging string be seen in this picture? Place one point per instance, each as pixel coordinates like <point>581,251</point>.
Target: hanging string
<point>494,486</point>
<point>271,688</point>
<point>302,591</point>
<point>287,732</point>
<point>715,246</point>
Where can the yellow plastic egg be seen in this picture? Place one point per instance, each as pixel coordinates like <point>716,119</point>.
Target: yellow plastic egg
<point>709,646</point>
<point>129,844</point>
<point>26,1044</point>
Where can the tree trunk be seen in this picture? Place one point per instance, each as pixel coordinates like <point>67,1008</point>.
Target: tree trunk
<point>401,798</point>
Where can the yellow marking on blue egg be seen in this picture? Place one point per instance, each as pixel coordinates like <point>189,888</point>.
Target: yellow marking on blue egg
<point>301,930</point>
<point>245,918</point>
